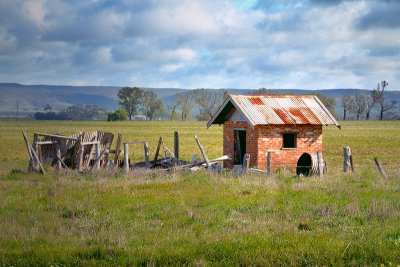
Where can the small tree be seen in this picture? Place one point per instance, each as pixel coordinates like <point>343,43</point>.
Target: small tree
<point>379,95</point>
<point>358,104</point>
<point>185,103</point>
<point>130,99</point>
<point>345,102</point>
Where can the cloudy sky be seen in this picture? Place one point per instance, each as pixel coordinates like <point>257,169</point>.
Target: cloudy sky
<point>201,43</point>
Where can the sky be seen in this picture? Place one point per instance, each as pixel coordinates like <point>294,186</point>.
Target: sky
<point>251,44</point>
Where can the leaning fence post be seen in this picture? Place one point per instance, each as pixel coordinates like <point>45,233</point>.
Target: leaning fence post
<point>126,157</point>
<point>380,168</point>
<point>347,159</point>
<point>269,163</point>
<point>320,164</point>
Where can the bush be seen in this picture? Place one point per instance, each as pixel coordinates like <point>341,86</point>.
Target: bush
<point>118,115</point>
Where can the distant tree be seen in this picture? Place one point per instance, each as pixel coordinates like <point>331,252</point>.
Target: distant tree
<point>369,104</point>
<point>185,103</point>
<point>262,91</point>
<point>208,101</point>
<point>117,115</point>
<point>149,97</point>
<point>379,95</point>
<point>358,104</point>
<point>345,102</point>
<point>156,108</point>
<point>130,99</point>
<point>329,102</point>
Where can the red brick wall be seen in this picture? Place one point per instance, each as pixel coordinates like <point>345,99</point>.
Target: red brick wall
<point>264,138</point>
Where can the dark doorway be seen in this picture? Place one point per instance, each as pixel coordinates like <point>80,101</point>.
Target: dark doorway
<point>239,146</point>
<point>304,165</point>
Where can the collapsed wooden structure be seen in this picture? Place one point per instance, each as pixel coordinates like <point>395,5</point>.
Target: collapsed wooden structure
<point>88,151</point>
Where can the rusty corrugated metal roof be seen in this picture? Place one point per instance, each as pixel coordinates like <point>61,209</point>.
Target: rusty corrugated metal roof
<point>276,109</point>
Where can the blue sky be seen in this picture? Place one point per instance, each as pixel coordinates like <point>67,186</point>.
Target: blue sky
<point>201,43</point>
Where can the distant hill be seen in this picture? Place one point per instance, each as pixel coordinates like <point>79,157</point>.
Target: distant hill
<point>34,98</point>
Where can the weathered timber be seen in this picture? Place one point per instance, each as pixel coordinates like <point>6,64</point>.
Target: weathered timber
<point>58,155</point>
<point>36,162</point>
<point>380,167</point>
<point>320,164</point>
<point>176,145</point>
<point>146,154</point>
<point>117,150</point>
<point>246,162</point>
<point>269,155</point>
<point>346,156</point>
<point>57,136</point>
<point>126,157</point>
<point>203,152</point>
<point>61,162</point>
<point>160,141</point>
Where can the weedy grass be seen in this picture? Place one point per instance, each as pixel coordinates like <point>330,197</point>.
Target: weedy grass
<point>199,218</point>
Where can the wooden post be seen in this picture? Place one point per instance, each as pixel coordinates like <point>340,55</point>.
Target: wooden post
<point>202,152</point>
<point>269,154</point>
<point>58,155</point>
<point>117,150</point>
<point>176,145</point>
<point>146,154</point>
<point>80,157</point>
<point>126,157</point>
<point>380,168</point>
<point>36,164</point>
<point>246,163</point>
<point>346,162</point>
<point>97,162</point>
<point>320,164</point>
<point>160,141</point>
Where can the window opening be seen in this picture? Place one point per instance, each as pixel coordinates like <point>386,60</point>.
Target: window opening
<point>289,140</point>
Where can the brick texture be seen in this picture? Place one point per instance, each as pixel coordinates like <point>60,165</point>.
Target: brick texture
<point>264,138</point>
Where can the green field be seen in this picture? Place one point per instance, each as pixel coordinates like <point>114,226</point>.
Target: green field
<point>184,218</point>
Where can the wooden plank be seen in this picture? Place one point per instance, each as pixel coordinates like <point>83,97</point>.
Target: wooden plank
<point>33,154</point>
<point>57,136</point>
<point>62,162</point>
<point>117,150</point>
<point>29,148</point>
<point>269,158</point>
<point>98,159</point>
<point>202,152</point>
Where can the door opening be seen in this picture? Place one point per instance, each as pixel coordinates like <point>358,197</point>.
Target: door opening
<point>239,146</point>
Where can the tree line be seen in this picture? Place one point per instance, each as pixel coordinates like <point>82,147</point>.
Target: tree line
<point>362,104</point>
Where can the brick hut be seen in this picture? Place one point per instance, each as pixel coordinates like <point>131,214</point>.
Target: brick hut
<point>288,126</point>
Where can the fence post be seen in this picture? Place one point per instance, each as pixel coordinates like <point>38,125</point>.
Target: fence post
<point>176,145</point>
<point>126,157</point>
<point>269,163</point>
<point>320,164</point>
<point>58,155</point>
<point>246,162</point>
<point>347,159</point>
<point>97,146</point>
<point>146,154</point>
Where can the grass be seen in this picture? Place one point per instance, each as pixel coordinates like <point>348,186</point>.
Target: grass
<point>167,218</point>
